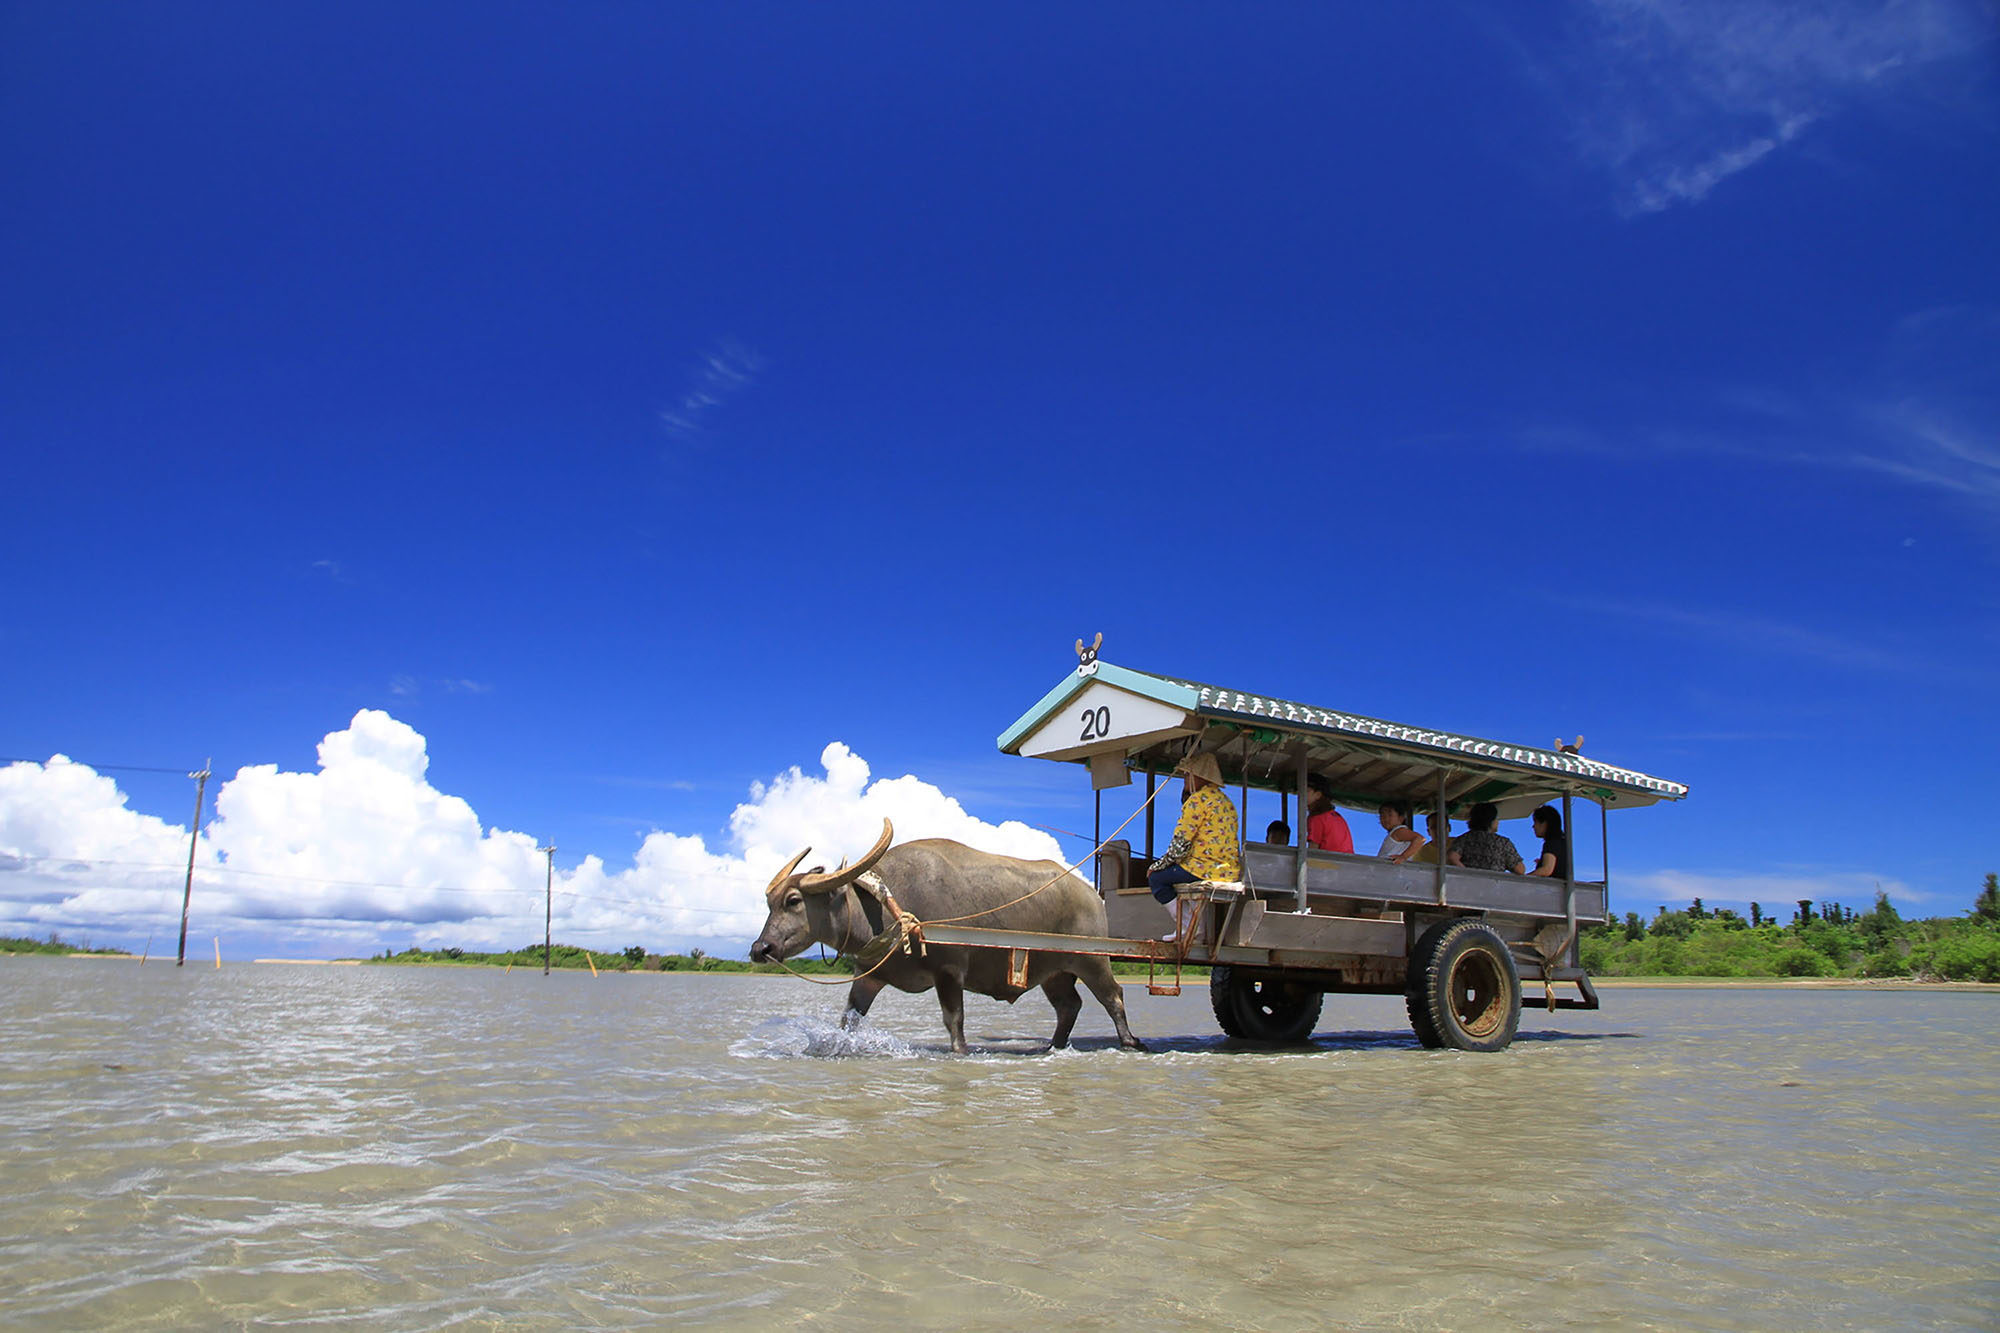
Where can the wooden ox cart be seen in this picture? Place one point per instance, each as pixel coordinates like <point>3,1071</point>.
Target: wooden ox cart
<point>1457,943</point>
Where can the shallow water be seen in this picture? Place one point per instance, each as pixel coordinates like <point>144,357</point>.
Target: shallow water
<point>405,1148</point>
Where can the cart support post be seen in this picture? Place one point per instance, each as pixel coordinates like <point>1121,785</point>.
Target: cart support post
<point>1569,879</point>
<point>1604,842</point>
<point>1152,779</point>
<point>1444,837</point>
<point>1305,819</point>
<point>1097,841</point>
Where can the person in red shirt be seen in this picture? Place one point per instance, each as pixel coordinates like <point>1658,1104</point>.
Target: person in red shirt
<point>1325,828</point>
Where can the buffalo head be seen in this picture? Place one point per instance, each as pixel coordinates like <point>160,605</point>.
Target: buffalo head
<point>813,905</point>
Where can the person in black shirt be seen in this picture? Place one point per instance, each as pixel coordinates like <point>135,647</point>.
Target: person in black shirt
<point>1554,862</point>
<point>1483,849</point>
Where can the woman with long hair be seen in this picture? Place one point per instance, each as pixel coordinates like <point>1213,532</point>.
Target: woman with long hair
<point>1554,861</point>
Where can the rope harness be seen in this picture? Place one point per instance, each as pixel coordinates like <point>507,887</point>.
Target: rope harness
<point>902,932</point>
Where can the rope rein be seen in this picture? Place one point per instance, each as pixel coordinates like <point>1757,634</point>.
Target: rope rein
<point>908,931</point>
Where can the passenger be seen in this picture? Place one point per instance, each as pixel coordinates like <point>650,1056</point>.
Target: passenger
<point>1440,831</point>
<point>1402,842</point>
<point>1204,841</point>
<point>1279,832</point>
<point>1554,862</point>
<point>1326,829</point>
<point>1480,847</point>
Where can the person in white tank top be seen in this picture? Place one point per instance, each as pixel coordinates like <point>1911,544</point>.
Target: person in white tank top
<point>1400,842</point>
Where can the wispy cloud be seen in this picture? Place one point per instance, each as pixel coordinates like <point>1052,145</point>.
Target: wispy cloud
<point>1669,98</point>
<point>405,686</point>
<point>1673,184</point>
<point>1730,737</point>
<point>643,784</point>
<point>1753,633</point>
<point>1927,417</point>
<point>1854,888</point>
<point>723,372</point>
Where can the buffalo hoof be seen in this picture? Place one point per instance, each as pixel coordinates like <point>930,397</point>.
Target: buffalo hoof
<point>1133,1044</point>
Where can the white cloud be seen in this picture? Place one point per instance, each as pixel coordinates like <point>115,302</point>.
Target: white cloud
<point>1672,97</point>
<point>365,850</point>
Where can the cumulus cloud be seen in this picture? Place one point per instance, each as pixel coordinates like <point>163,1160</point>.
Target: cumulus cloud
<point>365,850</point>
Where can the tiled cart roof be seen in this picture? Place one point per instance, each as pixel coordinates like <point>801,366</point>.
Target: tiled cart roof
<point>1284,715</point>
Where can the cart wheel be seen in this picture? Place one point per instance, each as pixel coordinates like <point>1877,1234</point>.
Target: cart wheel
<point>1464,992</point>
<point>1263,1008</point>
<point>1420,1020</point>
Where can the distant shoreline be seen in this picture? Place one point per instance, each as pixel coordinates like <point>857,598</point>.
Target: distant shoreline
<point>1785,983</point>
<point>1527,999</point>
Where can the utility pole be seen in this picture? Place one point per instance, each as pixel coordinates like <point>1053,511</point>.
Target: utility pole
<point>548,902</point>
<point>187,892</point>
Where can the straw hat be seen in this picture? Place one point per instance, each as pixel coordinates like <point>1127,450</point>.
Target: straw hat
<point>1201,766</point>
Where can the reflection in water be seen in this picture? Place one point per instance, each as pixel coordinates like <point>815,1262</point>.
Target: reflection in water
<point>410,1148</point>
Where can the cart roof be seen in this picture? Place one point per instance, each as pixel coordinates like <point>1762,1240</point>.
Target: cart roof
<point>1111,716</point>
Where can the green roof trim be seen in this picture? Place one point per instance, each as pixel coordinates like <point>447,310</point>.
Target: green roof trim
<point>1265,715</point>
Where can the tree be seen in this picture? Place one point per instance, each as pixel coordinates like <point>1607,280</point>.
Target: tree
<point>1756,914</point>
<point>1881,922</point>
<point>636,954</point>
<point>1697,911</point>
<point>1672,925</point>
<point>1805,912</point>
<point>1987,907</point>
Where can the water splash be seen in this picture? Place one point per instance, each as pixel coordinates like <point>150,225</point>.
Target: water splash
<point>819,1036</point>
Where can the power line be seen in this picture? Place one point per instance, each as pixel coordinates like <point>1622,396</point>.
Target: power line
<point>68,762</point>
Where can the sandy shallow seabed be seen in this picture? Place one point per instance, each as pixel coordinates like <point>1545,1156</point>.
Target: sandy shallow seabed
<point>431,1147</point>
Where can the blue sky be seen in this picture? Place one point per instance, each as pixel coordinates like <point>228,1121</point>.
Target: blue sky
<point>630,402</point>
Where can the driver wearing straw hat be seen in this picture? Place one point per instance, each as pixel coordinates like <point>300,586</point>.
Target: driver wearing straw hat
<point>1204,843</point>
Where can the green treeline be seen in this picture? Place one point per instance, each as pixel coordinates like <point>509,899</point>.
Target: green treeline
<point>1815,940</point>
<point>53,944</point>
<point>636,959</point>
<point>633,959</point>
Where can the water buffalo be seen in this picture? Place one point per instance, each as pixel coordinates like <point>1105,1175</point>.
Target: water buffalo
<point>932,879</point>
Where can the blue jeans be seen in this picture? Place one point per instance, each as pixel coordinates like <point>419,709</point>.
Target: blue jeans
<point>1162,883</point>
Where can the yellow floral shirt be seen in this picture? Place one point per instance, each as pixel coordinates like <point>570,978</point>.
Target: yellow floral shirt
<point>1208,822</point>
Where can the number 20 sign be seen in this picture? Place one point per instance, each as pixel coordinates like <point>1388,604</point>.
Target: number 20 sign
<point>1098,718</point>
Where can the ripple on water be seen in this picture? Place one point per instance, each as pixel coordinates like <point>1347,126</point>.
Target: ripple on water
<point>414,1149</point>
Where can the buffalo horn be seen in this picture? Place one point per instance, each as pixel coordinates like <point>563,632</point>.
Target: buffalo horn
<point>847,875</point>
<point>779,878</point>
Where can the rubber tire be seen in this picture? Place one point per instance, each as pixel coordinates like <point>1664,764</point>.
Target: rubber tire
<point>1262,1008</point>
<point>1464,991</point>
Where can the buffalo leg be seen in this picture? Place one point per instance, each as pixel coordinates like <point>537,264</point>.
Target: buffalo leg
<point>859,996</point>
<point>1096,974</point>
<point>1061,990</point>
<point>951,998</point>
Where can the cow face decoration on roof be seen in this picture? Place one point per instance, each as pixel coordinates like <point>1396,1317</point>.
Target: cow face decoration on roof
<point>1087,657</point>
